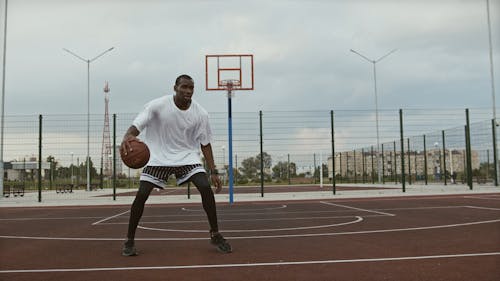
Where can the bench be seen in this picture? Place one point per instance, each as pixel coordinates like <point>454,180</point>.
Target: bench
<point>16,189</point>
<point>64,188</point>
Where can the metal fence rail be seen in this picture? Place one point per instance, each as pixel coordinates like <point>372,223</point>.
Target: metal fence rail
<point>297,148</point>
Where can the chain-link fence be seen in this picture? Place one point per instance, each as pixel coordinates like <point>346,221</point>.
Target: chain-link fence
<point>297,148</point>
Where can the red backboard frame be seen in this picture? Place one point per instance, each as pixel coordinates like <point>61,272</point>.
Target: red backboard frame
<point>240,72</point>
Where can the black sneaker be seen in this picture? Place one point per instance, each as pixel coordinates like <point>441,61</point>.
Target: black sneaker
<point>220,243</point>
<point>129,249</point>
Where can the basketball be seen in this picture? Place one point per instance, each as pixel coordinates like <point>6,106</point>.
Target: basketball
<point>138,157</point>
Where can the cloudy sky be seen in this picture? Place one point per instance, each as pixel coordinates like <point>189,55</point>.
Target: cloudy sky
<point>301,51</point>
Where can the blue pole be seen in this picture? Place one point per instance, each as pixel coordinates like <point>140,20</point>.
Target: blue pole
<point>230,136</point>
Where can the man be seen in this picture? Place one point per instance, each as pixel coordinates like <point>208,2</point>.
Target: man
<point>174,128</point>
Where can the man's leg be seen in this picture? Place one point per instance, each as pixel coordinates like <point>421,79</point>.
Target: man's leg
<point>136,211</point>
<point>201,182</point>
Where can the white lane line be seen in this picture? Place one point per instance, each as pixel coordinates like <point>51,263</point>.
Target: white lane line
<point>109,218</point>
<point>240,214</point>
<point>482,208</point>
<point>255,237</point>
<point>230,265</point>
<point>243,220</point>
<point>358,219</point>
<point>492,197</point>
<point>358,209</point>
<point>60,218</point>
<point>239,210</point>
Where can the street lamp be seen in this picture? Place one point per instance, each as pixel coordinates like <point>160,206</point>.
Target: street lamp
<point>492,75</point>
<point>3,96</point>
<point>374,62</point>
<point>88,61</point>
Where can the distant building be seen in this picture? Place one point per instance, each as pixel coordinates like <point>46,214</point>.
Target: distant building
<point>20,170</point>
<point>348,163</point>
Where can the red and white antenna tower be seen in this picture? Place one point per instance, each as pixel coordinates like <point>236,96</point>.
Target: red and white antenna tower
<point>106,161</point>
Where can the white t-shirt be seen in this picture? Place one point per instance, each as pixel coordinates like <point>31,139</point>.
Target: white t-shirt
<point>173,135</point>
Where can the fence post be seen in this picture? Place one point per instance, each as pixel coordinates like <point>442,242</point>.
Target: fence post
<point>468,149</point>
<point>261,157</point>
<point>444,156</point>
<point>383,164</point>
<point>494,134</point>
<point>355,167</point>
<point>363,164</point>
<point>416,167</point>
<point>373,166</point>
<point>114,157</point>
<point>333,151</point>
<point>409,160</point>
<point>403,180</point>
<point>340,168</point>
<point>487,164</point>
<point>395,164</point>
<point>40,158</point>
<point>425,161</point>
<point>288,168</point>
<point>347,166</point>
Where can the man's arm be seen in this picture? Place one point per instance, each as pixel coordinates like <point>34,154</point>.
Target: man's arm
<point>209,157</point>
<point>131,134</point>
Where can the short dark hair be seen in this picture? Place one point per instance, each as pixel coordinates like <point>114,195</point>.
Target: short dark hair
<point>183,76</point>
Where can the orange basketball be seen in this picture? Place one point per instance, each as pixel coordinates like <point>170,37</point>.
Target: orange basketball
<point>138,157</point>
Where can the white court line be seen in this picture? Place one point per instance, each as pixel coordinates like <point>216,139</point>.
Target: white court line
<point>358,219</point>
<point>255,237</point>
<point>243,220</point>
<point>483,208</point>
<point>239,210</point>
<point>234,214</point>
<point>358,209</point>
<point>112,217</point>
<point>484,197</point>
<point>60,218</point>
<point>230,265</point>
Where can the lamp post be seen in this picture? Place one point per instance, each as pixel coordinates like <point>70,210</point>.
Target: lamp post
<point>3,97</point>
<point>88,61</point>
<point>492,75</point>
<point>374,62</point>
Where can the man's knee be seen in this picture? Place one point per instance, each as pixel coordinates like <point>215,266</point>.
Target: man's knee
<point>145,189</point>
<point>200,180</point>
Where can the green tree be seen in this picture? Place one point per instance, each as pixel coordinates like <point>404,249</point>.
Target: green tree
<point>250,167</point>
<point>280,170</point>
<point>267,160</point>
<point>317,171</point>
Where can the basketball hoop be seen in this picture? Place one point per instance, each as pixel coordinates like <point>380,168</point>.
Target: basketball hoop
<point>229,73</point>
<point>230,85</point>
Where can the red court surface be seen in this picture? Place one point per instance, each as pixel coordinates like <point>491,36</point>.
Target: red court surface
<point>449,237</point>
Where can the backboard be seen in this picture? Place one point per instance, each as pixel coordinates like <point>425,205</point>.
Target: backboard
<point>237,69</point>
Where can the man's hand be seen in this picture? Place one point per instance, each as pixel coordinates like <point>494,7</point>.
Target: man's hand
<point>125,145</point>
<point>131,134</point>
<point>216,182</point>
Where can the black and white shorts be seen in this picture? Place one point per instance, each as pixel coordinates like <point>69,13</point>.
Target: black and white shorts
<point>158,175</point>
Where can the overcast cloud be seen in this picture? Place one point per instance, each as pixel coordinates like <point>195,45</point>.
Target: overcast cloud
<point>301,52</point>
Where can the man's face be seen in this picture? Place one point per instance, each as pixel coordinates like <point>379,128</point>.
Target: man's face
<point>184,90</point>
